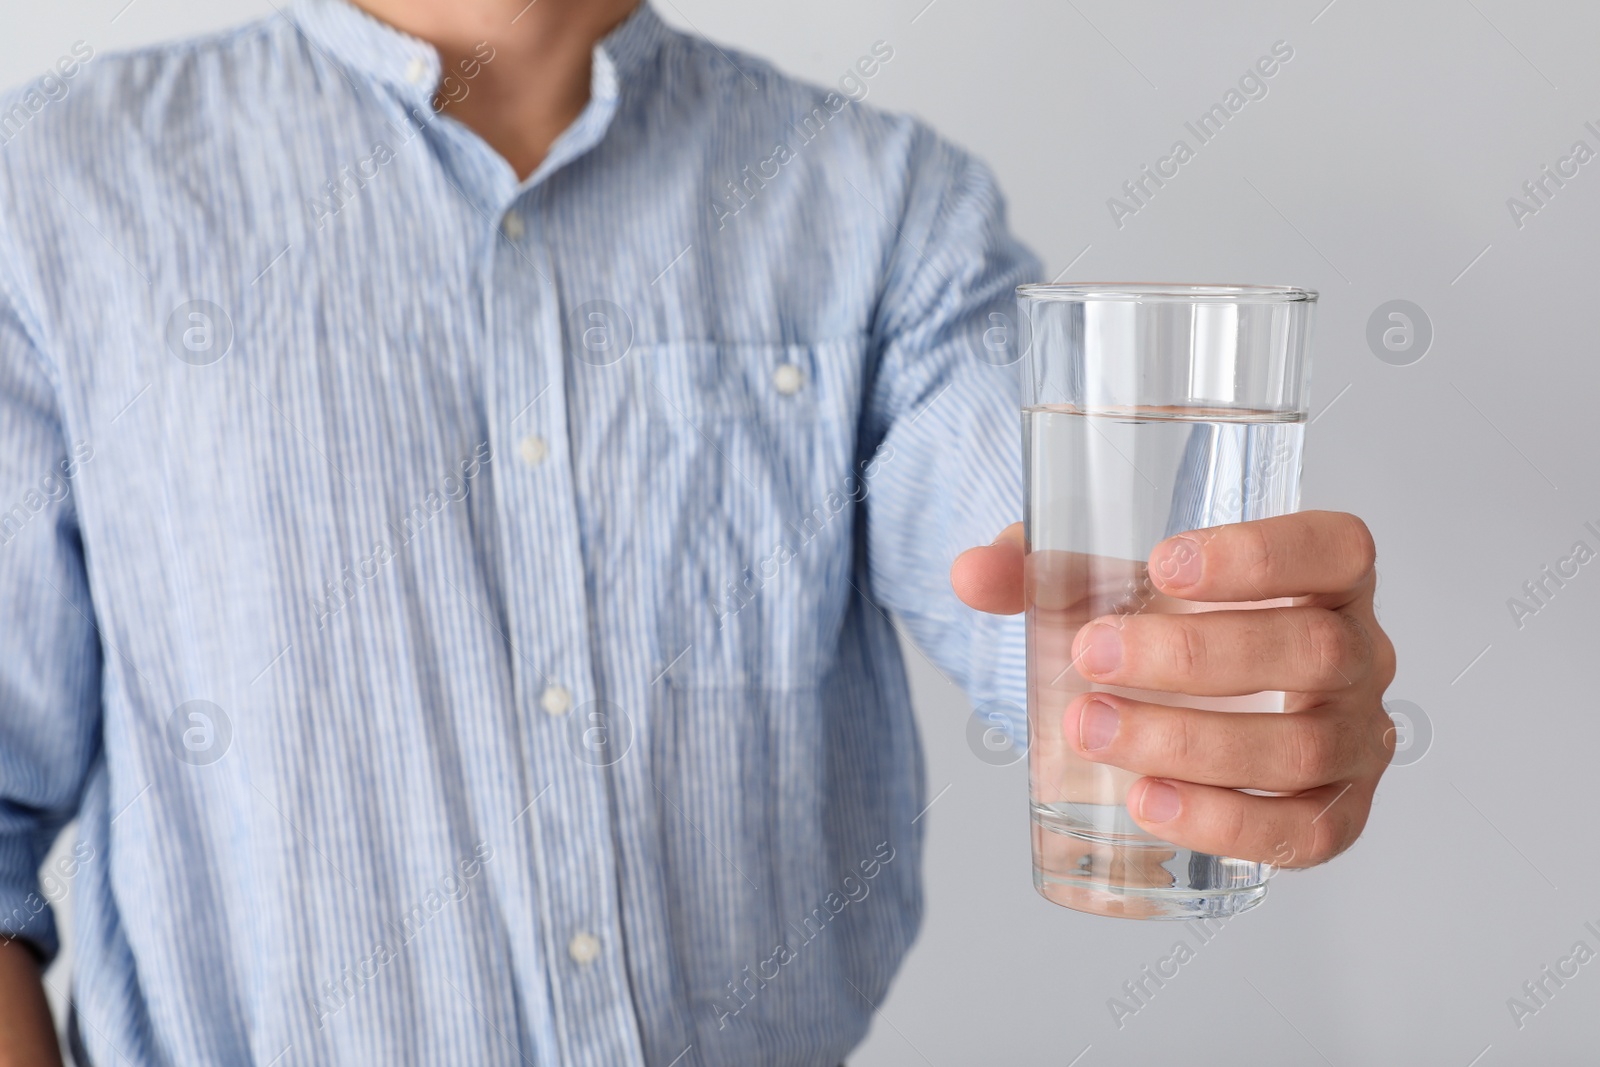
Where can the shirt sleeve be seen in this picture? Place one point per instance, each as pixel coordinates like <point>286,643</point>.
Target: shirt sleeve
<point>49,647</point>
<point>945,408</point>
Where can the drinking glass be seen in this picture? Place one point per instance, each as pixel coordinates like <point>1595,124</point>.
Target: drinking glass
<point>1149,410</point>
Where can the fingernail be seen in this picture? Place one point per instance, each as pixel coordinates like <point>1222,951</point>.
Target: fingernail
<point>1160,802</point>
<point>1102,650</point>
<point>1178,562</point>
<point>1097,725</point>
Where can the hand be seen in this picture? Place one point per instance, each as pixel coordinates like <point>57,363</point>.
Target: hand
<point>27,1032</point>
<point>1323,648</point>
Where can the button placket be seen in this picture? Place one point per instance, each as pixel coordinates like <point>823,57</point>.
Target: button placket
<point>575,868</point>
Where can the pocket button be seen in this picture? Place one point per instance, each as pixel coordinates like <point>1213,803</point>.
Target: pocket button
<point>788,379</point>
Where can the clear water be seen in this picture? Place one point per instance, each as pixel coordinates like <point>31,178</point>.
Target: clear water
<point>1103,489</point>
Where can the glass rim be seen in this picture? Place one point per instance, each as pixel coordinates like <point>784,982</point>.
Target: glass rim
<point>1168,292</point>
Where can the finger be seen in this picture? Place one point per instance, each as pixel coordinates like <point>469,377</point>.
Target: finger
<point>990,578</point>
<point>1226,653</point>
<point>1298,831</point>
<point>1311,552</point>
<point>1282,752</point>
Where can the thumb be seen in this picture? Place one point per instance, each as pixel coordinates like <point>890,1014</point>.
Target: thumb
<point>990,578</point>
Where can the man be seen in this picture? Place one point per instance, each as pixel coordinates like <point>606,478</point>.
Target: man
<point>466,458</point>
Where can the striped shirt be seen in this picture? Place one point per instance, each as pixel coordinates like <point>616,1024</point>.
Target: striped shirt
<point>457,610</point>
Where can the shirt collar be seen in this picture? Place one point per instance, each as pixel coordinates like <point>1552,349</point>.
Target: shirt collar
<point>351,37</point>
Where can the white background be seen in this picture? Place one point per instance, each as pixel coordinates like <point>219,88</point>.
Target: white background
<point>1377,167</point>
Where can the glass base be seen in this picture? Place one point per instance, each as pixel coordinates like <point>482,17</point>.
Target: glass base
<point>1087,858</point>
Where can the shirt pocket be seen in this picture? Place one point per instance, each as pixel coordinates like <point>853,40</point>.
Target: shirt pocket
<point>752,494</point>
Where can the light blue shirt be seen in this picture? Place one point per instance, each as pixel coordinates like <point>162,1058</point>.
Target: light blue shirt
<point>456,610</point>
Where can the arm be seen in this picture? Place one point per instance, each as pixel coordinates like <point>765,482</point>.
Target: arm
<point>50,664</point>
<point>946,400</point>
<point>27,1033</point>
<point>943,411</point>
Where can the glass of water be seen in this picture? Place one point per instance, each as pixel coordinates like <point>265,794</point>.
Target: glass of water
<point>1149,410</point>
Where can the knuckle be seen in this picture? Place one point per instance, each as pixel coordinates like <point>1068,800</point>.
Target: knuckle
<point>1230,826</point>
<point>1185,649</point>
<point>1315,751</point>
<point>1325,840</point>
<point>1175,742</point>
<point>1256,550</point>
<point>1363,549</point>
<point>1336,647</point>
<point>1337,826</point>
<point>1388,736</point>
<point>1384,659</point>
<point>1335,832</point>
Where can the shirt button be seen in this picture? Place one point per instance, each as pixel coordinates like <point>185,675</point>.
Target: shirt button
<point>583,948</point>
<point>555,700</point>
<point>512,226</point>
<point>787,379</point>
<point>533,450</point>
<point>417,71</point>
